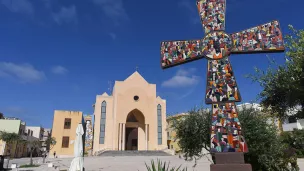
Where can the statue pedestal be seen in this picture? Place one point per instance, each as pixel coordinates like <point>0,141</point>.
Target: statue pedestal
<point>230,162</point>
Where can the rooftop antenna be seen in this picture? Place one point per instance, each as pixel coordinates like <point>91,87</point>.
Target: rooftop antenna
<point>110,87</point>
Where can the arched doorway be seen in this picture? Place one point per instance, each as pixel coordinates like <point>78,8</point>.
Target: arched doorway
<point>135,131</point>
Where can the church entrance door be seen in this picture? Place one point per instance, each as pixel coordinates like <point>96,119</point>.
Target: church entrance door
<point>131,139</point>
<point>134,137</point>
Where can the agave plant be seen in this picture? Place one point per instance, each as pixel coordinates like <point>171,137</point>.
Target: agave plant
<point>160,166</point>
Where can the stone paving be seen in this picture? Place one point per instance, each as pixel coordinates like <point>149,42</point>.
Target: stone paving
<point>121,163</point>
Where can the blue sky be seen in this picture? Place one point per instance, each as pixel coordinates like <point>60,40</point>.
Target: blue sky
<point>58,54</point>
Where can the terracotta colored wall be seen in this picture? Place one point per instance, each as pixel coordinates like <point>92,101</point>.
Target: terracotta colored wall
<point>58,131</point>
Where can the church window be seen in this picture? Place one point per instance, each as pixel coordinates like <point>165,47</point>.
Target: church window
<point>159,124</point>
<point>103,122</point>
<point>136,98</point>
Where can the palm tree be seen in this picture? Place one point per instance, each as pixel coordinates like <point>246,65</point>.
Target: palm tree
<point>50,143</point>
<point>33,145</point>
<point>8,139</point>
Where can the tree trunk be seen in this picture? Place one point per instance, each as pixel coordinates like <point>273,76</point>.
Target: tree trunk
<point>280,125</point>
<point>44,157</point>
<point>16,150</point>
<point>31,156</point>
<point>9,157</point>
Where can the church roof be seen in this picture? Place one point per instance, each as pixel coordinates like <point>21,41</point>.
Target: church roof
<point>105,94</point>
<point>136,76</point>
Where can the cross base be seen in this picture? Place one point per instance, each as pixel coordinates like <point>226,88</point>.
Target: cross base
<point>230,162</point>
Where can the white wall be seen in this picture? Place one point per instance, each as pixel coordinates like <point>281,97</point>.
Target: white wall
<point>36,130</point>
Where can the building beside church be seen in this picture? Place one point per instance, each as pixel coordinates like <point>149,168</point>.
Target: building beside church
<point>64,131</point>
<point>172,141</point>
<point>131,118</point>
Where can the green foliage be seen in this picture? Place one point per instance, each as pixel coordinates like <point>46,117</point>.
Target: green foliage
<point>51,142</point>
<point>283,85</point>
<point>266,150</point>
<point>34,144</point>
<point>295,140</point>
<point>28,165</point>
<point>192,132</point>
<point>162,167</point>
<point>9,137</point>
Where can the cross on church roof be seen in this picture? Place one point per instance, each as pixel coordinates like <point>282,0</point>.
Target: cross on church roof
<point>136,68</point>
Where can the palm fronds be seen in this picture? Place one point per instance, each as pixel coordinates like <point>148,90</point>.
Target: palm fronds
<point>163,166</point>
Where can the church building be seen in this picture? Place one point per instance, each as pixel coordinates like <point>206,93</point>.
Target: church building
<point>131,118</point>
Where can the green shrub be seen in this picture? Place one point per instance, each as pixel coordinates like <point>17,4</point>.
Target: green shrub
<point>267,152</point>
<point>28,165</point>
<point>163,167</point>
<point>294,139</point>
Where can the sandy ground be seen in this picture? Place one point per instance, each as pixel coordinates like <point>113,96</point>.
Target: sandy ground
<point>134,163</point>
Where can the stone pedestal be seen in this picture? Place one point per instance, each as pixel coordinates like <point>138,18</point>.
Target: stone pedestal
<point>230,162</point>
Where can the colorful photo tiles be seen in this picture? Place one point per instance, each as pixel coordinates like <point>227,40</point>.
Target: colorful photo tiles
<point>212,14</point>
<point>221,83</point>
<point>266,37</point>
<point>217,45</point>
<point>178,52</point>
<point>226,131</point>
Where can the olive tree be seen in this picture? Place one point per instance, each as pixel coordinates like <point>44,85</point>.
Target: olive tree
<point>266,150</point>
<point>283,85</point>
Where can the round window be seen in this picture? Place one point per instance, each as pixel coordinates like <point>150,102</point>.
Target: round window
<point>136,98</point>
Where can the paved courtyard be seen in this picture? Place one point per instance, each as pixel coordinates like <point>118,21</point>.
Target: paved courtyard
<point>136,163</point>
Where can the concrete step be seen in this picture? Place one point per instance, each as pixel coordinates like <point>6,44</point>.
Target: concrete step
<point>134,153</point>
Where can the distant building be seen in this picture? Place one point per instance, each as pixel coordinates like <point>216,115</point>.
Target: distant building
<point>36,134</point>
<point>172,141</point>
<point>298,124</point>
<point>291,122</point>
<point>64,131</point>
<point>38,131</point>
<point>255,106</point>
<point>288,125</point>
<point>15,149</point>
<point>47,134</point>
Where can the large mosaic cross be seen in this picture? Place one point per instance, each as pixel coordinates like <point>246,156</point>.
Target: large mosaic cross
<point>221,90</point>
